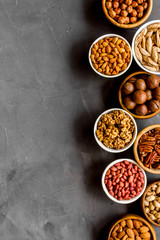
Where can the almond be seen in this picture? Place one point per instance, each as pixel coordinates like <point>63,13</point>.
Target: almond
<point>144,229</point>
<point>123,223</point>
<point>145,235</point>
<point>130,233</point>
<point>121,234</point>
<point>136,224</point>
<point>129,223</point>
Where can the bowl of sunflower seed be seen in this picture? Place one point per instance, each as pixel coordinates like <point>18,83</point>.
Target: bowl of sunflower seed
<point>146,47</point>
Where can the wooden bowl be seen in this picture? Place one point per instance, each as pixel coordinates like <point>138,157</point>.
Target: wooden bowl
<point>132,25</point>
<point>134,217</point>
<point>135,149</point>
<point>142,204</point>
<point>121,102</point>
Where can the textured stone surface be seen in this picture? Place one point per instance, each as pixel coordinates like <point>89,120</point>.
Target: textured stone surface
<point>50,164</point>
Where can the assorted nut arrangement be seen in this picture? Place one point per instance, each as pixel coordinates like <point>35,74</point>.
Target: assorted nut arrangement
<point>141,94</point>
<point>115,129</point>
<point>149,149</point>
<point>124,180</point>
<point>152,203</point>
<point>147,47</point>
<point>110,55</point>
<point>131,229</point>
<point>126,11</point>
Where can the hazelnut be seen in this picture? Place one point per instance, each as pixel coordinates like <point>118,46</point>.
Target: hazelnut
<point>153,81</point>
<point>134,4</point>
<point>134,13</point>
<point>145,5</point>
<point>140,8</point>
<point>156,93</point>
<point>127,21</point>
<point>128,88</point>
<point>124,13</point>
<point>149,94</point>
<point>108,5</point>
<point>133,19</point>
<point>140,84</point>
<point>128,2</point>
<point>121,20</point>
<point>139,1</point>
<point>112,13</point>
<point>153,105</point>
<point>128,103</point>
<point>129,9</point>
<point>139,97</point>
<point>118,11</point>
<point>140,15</point>
<point>144,76</point>
<point>141,110</point>
<point>115,4</point>
<point>123,6</point>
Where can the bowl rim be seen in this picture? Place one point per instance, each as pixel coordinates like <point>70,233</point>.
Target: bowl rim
<point>132,25</point>
<point>135,151</point>
<point>134,217</point>
<point>104,186</point>
<point>142,202</point>
<point>120,97</point>
<point>133,43</point>
<point>112,150</point>
<point>110,35</point>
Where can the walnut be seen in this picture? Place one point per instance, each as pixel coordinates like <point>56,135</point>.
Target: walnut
<point>115,129</point>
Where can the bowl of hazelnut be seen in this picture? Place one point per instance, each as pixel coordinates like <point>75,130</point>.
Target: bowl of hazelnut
<point>110,55</point>
<point>139,94</point>
<point>115,130</point>
<point>147,149</point>
<point>127,13</point>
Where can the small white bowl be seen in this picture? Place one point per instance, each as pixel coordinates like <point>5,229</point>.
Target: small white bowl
<point>105,188</point>
<point>112,150</point>
<point>133,43</point>
<point>110,35</point>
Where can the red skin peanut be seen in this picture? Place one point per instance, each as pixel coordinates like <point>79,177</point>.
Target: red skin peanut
<point>124,180</point>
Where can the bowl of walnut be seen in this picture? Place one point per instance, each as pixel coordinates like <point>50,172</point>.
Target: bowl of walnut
<point>147,149</point>
<point>115,130</point>
<point>146,47</point>
<point>127,13</point>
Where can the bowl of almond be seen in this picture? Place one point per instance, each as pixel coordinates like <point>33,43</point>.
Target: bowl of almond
<point>146,47</point>
<point>147,149</point>
<point>132,226</point>
<point>110,55</point>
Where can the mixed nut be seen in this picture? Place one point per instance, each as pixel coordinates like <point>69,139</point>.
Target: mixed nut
<point>131,229</point>
<point>110,55</point>
<point>149,149</point>
<point>126,11</point>
<point>124,180</point>
<point>141,94</point>
<point>147,47</point>
<point>115,129</point>
<point>152,203</point>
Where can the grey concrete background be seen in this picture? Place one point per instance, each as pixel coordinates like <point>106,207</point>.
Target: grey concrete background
<point>50,164</point>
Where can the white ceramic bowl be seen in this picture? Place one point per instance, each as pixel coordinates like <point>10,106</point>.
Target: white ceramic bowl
<point>105,188</point>
<point>133,42</point>
<point>112,150</point>
<point>110,76</point>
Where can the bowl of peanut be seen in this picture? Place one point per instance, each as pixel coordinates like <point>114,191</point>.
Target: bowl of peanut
<point>115,130</point>
<point>127,13</point>
<point>147,149</point>
<point>150,203</point>
<point>110,55</point>
<point>146,47</point>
